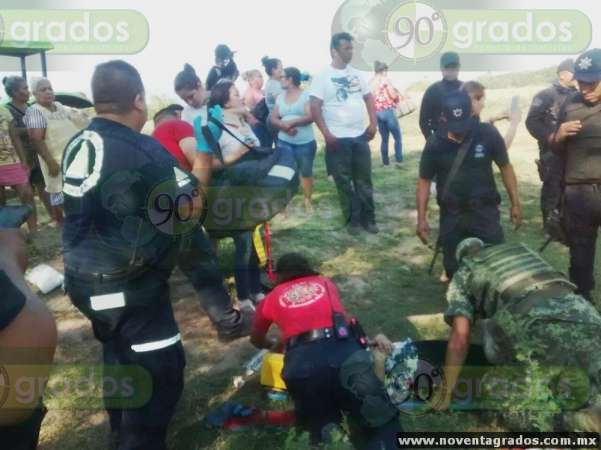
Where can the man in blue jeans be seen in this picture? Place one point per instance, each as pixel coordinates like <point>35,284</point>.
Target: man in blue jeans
<point>338,95</point>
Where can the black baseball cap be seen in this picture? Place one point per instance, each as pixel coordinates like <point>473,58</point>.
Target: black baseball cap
<point>222,51</point>
<point>588,66</point>
<point>457,110</point>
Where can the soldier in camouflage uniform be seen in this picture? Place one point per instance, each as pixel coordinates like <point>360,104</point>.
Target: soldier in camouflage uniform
<point>528,312</point>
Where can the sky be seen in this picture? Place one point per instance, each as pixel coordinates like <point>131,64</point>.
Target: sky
<point>187,31</point>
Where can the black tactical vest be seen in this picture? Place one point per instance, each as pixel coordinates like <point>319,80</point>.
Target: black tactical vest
<point>583,151</point>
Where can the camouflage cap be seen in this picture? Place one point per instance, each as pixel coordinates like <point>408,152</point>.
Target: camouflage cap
<point>465,244</point>
<point>399,371</point>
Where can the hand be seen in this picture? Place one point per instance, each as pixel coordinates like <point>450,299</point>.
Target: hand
<point>423,231</point>
<point>568,129</point>
<point>331,142</point>
<point>382,343</point>
<point>292,131</point>
<point>54,168</point>
<point>252,120</point>
<point>274,345</point>
<point>370,133</point>
<point>516,216</point>
<point>503,116</point>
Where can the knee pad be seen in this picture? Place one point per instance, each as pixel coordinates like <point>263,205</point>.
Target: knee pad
<point>357,375</point>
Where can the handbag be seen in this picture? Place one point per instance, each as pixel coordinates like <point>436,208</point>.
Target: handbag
<point>405,105</point>
<point>260,111</point>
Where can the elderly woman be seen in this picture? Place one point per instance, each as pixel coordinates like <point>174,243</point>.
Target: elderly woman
<point>246,270</point>
<point>51,126</point>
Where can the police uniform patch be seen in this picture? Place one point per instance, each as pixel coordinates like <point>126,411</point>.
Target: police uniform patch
<point>82,163</point>
<point>479,151</point>
<point>301,294</point>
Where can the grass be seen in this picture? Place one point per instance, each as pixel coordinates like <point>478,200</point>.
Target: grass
<point>382,279</point>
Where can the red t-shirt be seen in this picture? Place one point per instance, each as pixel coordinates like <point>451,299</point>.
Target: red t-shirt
<point>169,134</point>
<point>298,306</point>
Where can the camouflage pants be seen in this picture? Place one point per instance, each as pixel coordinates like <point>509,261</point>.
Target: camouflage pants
<point>557,366</point>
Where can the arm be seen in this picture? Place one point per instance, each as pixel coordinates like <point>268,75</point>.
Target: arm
<point>277,122</point>
<point>536,120</point>
<point>513,128</point>
<point>12,131</point>
<point>307,119</point>
<point>371,111</point>
<point>422,197</point>
<point>37,135</point>
<point>457,349</point>
<point>316,113</point>
<point>425,113</point>
<point>511,185</point>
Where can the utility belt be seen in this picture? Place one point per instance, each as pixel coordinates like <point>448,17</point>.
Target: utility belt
<point>588,186</point>
<point>340,331</point>
<point>456,205</point>
<point>536,296</point>
<point>138,268</point>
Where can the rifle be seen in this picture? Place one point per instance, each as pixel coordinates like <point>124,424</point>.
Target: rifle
<point>435,257</point>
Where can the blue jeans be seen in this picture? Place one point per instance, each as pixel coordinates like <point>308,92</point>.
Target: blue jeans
<point>246,267</point>
<point>389,124</point>
<point>304,154</point>
<point>263,135</point>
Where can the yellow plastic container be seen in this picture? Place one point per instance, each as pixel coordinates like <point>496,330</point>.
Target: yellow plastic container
<point>271,371</point>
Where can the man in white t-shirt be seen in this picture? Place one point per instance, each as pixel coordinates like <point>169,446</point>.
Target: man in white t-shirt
<point>339,96</point>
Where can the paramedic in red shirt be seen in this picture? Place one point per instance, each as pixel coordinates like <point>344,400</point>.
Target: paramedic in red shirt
<point>325,373</point>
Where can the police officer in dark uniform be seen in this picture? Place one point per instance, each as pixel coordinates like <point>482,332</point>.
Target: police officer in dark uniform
<point>578,143</point>
<point>326,367</point>
<point>430,112</point>
<point>542,123</point>
<point>121,243</point>
<point>467,194</point>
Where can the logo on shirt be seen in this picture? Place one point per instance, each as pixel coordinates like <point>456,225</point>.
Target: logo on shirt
<point>346,86</point>
<point>479,151</point>
<point>301,294</point>
<point>458,112</point>
<point>82,163</point>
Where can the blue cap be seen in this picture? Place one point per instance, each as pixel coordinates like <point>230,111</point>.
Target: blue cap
<point>449,59</point>
<point>588,66</point>
<point>457,110</point>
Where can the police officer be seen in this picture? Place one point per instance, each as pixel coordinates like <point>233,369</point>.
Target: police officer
<point>460,155</point>
<point>542,123</point>
<point>326,369</point>
<point>431,108</point>
<point>578,143</point>
<point>120,245</point>
<point>524,307</point>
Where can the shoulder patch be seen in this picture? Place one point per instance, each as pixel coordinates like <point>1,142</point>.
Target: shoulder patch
<point>82,163</point>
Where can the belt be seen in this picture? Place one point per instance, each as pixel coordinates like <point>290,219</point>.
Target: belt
<point>316,334</point>
<point>534,297</point>
<point>124,274</point>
